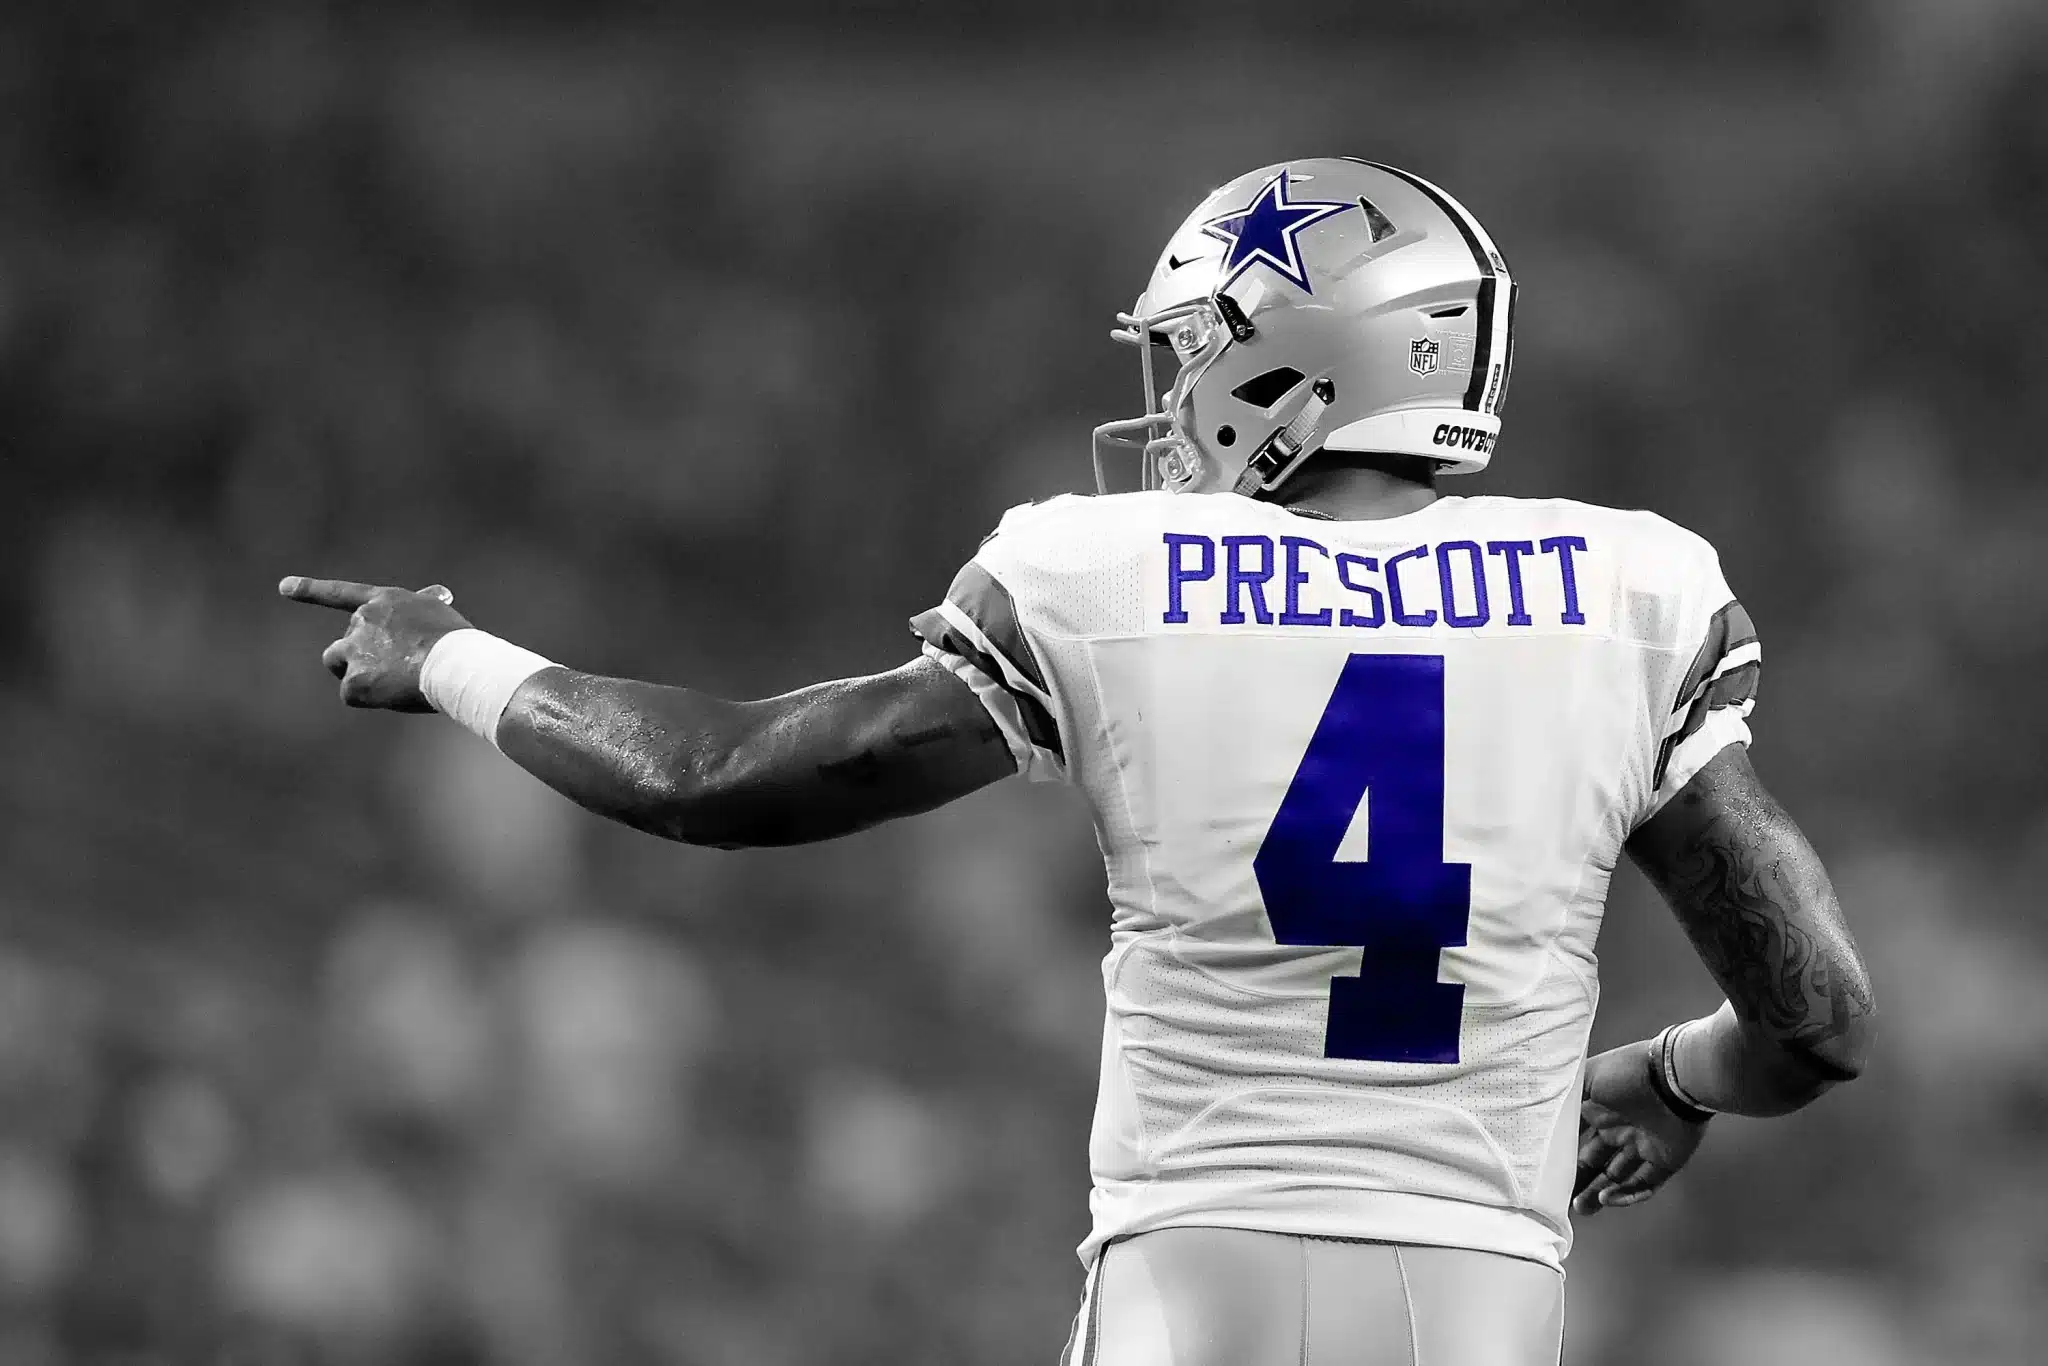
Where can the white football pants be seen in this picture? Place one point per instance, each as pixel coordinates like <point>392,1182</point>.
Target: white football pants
<point>1234,1297</point>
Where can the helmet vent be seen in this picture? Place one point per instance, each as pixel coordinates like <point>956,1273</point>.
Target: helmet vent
<point>1455,311</point>
<point>1378,223</point>
<point>1263,391</point>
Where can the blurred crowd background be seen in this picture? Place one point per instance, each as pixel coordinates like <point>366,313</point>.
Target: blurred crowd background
<point>705,349</point>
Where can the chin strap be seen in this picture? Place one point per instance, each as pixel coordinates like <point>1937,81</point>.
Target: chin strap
<point>1271,462</point>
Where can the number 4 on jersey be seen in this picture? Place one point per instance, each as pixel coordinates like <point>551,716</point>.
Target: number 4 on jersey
<point>1380,742</point>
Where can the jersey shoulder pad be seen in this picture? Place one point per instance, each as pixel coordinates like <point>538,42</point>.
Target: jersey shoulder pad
<point>1660,558</point>
<point>1073,533</point>
<point>1643,535</point>
<point>1661,538</point>
<point>1072,564</point>
<point>1076,514</point>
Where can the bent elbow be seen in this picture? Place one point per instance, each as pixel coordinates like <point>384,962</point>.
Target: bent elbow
<point>1844,1047</point>
<point>726,804</point>
<point>687,821</point>
<point>1839,1055</point>
<point>673,796</point>
<point>1810,1066</point>
<point>684,807</point>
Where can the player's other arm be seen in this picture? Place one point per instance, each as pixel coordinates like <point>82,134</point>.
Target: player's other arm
<point>1754,899</point>
<point>813,764</point>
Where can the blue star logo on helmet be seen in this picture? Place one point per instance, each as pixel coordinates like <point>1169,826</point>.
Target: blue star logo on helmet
<point>1267,232</point>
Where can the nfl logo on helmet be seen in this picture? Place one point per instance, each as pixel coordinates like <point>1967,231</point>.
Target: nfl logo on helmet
<point>1422,353</point>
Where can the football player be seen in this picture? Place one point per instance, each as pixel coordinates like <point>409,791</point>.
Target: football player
<point>1362,760</point>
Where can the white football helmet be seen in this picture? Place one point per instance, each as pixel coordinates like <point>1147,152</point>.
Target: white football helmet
<point>1325,304</point>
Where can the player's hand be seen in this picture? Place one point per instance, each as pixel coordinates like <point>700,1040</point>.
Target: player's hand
<point>1630,1143</point>
<point>390,630</point>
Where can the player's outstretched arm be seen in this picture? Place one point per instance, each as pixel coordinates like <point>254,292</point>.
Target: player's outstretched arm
<point>810,765</point>
<point>823,761</point>
<point>1754,899</point>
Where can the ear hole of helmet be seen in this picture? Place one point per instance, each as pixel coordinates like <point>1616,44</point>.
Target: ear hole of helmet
<point>1264,390</point>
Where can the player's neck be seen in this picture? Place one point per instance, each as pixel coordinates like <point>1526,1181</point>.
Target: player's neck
<point>1352,494</point>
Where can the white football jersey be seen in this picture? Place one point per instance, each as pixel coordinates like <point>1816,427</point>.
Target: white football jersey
<point>1359,788</point>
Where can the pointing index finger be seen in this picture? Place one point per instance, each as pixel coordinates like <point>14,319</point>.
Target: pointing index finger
<point>340,594</point>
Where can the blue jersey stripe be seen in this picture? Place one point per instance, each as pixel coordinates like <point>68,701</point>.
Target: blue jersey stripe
<point>1731,689</point>
<point>936,631</point>
<point>989,606</point>
<point>1731,629</point>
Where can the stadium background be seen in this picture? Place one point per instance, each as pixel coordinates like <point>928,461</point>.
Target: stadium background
<point>705,350</point>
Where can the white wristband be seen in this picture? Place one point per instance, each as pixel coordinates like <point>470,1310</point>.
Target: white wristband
<point>470,676</point>
<point>1667,1058</point>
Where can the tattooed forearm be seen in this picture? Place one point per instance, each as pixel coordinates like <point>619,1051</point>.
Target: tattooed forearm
<point>1754,899</point>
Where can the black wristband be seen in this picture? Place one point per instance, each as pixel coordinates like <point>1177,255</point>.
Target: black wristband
<point>1654,1063</point>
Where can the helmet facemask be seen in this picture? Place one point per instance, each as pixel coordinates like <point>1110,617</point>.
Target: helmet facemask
<point>1196,334</point>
